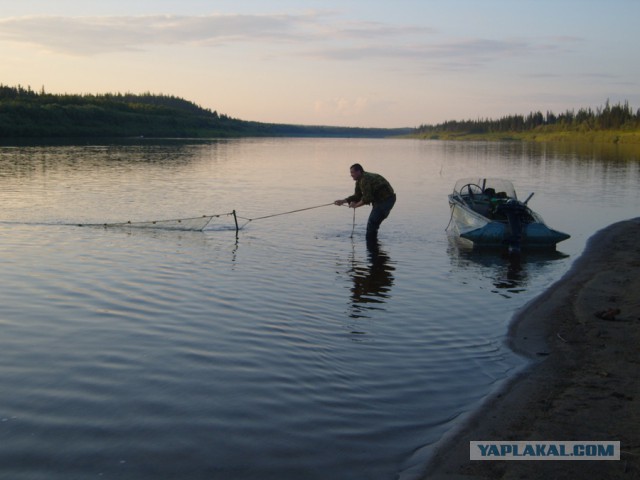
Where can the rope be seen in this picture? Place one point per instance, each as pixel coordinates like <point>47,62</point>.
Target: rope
<point>450,218</point>
<point>285,213</point>
<point>353,227</point>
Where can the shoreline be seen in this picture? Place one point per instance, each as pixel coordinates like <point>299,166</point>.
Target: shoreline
<point>583,338</point>
<point>595,137</point>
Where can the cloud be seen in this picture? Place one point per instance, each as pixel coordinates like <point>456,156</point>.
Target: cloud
<point>93,35</point>
<point>307,35</point>
<point>372,30</point>
<point>341,107</point>
<point>456,54</point>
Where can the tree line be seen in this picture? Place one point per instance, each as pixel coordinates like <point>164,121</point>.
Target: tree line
<point>610,117</point>
<point>28,113</point>
<point>37,114</point>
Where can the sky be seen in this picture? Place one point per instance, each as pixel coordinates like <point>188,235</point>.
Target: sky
<point>359,63</point>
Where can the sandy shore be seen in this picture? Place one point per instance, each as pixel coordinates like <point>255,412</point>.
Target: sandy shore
<point>584,334</point>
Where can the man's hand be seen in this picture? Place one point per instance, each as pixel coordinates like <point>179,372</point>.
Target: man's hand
<point>339,202</point>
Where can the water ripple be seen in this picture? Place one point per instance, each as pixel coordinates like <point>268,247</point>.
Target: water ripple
<point>290,351</point>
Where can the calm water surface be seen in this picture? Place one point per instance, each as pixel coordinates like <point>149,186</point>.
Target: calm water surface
<point>287,352</point>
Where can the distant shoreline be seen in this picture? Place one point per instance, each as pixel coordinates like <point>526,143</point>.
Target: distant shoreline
<point>25,113</point>
<point>595,137</point>
<point>615,124</point>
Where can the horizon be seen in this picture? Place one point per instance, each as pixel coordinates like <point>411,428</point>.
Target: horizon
<point>346,64</point>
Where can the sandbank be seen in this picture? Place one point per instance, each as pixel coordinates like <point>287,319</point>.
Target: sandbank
<point>583,336</point>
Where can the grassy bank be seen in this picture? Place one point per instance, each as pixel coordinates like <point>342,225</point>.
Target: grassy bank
<point>610,124</point>
<point>599,136</point>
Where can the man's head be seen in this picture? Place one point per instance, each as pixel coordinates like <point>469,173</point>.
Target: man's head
<point>356,171</point>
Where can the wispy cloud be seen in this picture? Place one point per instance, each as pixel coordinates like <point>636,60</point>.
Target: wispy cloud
<point>316,35</point>
<point>453,54</point>
<point>373,30</point>
<point>341,107</point>
<point>94,35</point>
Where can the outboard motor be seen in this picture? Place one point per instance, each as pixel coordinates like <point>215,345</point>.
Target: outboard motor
<point>516,212</point>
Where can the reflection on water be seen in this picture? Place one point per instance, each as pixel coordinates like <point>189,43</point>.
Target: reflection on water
<point>609,152</point>
<point>372,281</point>
<point>508,273</point>
<point>512,274</point>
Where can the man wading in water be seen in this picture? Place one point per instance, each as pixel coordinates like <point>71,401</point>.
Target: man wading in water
<point>374,189</point>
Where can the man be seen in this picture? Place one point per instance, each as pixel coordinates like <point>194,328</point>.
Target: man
<point>374,189</point>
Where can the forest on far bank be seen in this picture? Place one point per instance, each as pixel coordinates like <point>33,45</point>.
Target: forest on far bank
<point>26,113</point>
<point>610,123</point>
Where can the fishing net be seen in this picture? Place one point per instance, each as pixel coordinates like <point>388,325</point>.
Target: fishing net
<point>185,224</point>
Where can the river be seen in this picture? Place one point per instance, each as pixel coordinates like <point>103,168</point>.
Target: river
<point>285,350</point>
